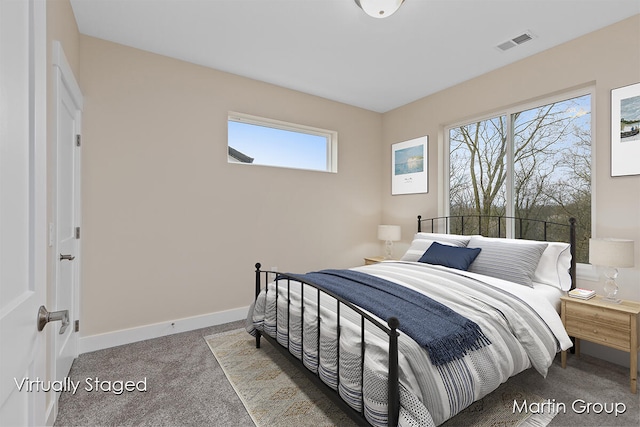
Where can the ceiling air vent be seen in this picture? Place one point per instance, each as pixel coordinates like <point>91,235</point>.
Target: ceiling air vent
<point>522,38</point>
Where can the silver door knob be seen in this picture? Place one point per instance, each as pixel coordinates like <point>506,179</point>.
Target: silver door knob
<point>45,317</point>
<point>68,257</point>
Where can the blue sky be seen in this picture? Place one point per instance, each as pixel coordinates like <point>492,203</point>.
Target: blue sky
<point>276,147</point>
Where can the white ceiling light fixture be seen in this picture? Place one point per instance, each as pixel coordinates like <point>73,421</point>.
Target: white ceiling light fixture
<point>379,8</point>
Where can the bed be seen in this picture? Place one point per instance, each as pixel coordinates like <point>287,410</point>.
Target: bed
<point>413,342</point>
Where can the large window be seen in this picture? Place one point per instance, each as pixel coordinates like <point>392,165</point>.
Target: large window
<point>260,141</point>
<point>532,163</point>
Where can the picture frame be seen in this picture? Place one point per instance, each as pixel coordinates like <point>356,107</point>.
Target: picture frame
<point>410,166</point>
<point>625,130</point>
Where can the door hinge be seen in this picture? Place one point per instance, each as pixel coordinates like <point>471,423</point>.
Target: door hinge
<point>77,232</point>
<point>76,326</point>
<point>78,140</point>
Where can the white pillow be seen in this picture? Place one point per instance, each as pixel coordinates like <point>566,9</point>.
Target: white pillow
<point>454,239</point>
<point>419,246</point>
<point>554,264</point>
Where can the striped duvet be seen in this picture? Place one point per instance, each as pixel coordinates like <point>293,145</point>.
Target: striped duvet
<point>523,328</point>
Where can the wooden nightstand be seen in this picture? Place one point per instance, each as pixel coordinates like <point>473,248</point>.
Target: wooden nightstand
<point>605,323</point>
<point>373,260</point>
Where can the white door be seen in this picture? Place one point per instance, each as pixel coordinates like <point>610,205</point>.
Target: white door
<point>23,198</point>
<point>68,106</point>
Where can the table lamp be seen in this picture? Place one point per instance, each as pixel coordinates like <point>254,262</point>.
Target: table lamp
<point>611,254</point>
<point>388,233</point>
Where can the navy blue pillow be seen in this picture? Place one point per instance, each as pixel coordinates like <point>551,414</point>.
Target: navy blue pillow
<point>450,256</point>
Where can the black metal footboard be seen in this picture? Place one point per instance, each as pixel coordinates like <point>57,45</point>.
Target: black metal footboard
<point>390,329</point>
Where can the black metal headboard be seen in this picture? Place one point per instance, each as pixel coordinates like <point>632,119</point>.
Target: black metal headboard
<point>492,225</point>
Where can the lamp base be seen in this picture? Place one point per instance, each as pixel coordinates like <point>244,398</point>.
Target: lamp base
<point>388,249</point>
<point>610,286</point>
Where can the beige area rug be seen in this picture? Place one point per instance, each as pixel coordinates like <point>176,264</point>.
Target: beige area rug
<point>275,392</point>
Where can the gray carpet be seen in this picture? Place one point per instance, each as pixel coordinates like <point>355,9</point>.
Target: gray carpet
<point>186,387</point>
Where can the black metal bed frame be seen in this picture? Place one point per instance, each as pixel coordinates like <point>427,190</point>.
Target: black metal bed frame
<point>393,408</point>
<point>498,218</point>
<point>390,329</point>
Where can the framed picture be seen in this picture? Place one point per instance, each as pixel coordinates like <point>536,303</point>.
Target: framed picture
<point>625,130</point>
<point>409,166</point>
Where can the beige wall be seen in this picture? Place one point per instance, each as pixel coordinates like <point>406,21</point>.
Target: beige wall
<point>607,59</point>
<point>170,229</point>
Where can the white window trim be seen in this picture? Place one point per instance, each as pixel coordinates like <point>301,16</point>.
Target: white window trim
<point>583,270</point>
<point>331,136</point>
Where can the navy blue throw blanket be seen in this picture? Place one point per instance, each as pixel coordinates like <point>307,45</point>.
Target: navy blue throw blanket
<point>445,334</point>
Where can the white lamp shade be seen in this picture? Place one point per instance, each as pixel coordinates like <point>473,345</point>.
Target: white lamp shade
<point>379,8</point>
<point>389,232</point>
<point>611,252</point>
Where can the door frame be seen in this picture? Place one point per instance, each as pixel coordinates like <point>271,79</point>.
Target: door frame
<point>63,79</point>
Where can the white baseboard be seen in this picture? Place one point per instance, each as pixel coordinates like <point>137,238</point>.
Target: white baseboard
<point>169,327</point>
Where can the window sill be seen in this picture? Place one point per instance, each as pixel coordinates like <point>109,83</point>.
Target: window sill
<point>587,272</point>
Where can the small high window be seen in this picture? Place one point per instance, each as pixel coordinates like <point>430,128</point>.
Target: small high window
<point>259,141</point>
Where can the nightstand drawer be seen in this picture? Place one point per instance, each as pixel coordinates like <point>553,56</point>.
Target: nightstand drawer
<point>606,323</point>
<point>598,333</point>
<point>589,314</point>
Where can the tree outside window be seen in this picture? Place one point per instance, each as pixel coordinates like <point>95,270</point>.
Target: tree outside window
<point>530,164</point>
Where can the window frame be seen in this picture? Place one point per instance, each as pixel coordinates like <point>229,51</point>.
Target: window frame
<point>584,270</point>
<point>331,138</point>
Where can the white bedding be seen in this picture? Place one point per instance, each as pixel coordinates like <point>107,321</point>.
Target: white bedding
<point>550,293</point>
<point>521,322</point>
<point>540,297</point>
<point>532,294</point>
